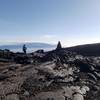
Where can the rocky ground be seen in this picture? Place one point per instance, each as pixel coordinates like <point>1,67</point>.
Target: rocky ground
<point>54,75</point>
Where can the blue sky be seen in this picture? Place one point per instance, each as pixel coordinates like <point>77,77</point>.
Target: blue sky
<point>73,22</point>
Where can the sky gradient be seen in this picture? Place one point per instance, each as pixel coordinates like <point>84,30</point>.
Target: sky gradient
<point>73,22</point>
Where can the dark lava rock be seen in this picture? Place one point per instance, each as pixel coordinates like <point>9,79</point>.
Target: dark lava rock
<point>59,46</point>
<point>97,74</point>
<point>84,66</point>
<point>33,85</point>
<point>3,77</point>
<point>12,68</point>
<point>92,76</point>
<point>96,88</point>
<point>60,54</point>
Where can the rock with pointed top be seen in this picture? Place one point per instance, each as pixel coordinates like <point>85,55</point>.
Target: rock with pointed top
<point>59,46</point>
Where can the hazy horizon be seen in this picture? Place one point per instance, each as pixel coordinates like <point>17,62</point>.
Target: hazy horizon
<point>73,22</point>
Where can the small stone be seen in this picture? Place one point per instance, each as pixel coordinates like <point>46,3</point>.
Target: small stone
<point>26,93</point>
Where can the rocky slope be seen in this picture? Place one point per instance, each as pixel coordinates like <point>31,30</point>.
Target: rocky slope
<point>54,75</point>
<point>87,49</point>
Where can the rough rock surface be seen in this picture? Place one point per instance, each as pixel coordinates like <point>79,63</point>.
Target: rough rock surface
<point>56,75</point>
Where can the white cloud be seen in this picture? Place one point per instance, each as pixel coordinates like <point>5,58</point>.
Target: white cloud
<point>48,38</point>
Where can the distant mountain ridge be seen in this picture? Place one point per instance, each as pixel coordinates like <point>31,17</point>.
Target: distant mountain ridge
<point>17,47</point>
<point>85,50</point>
